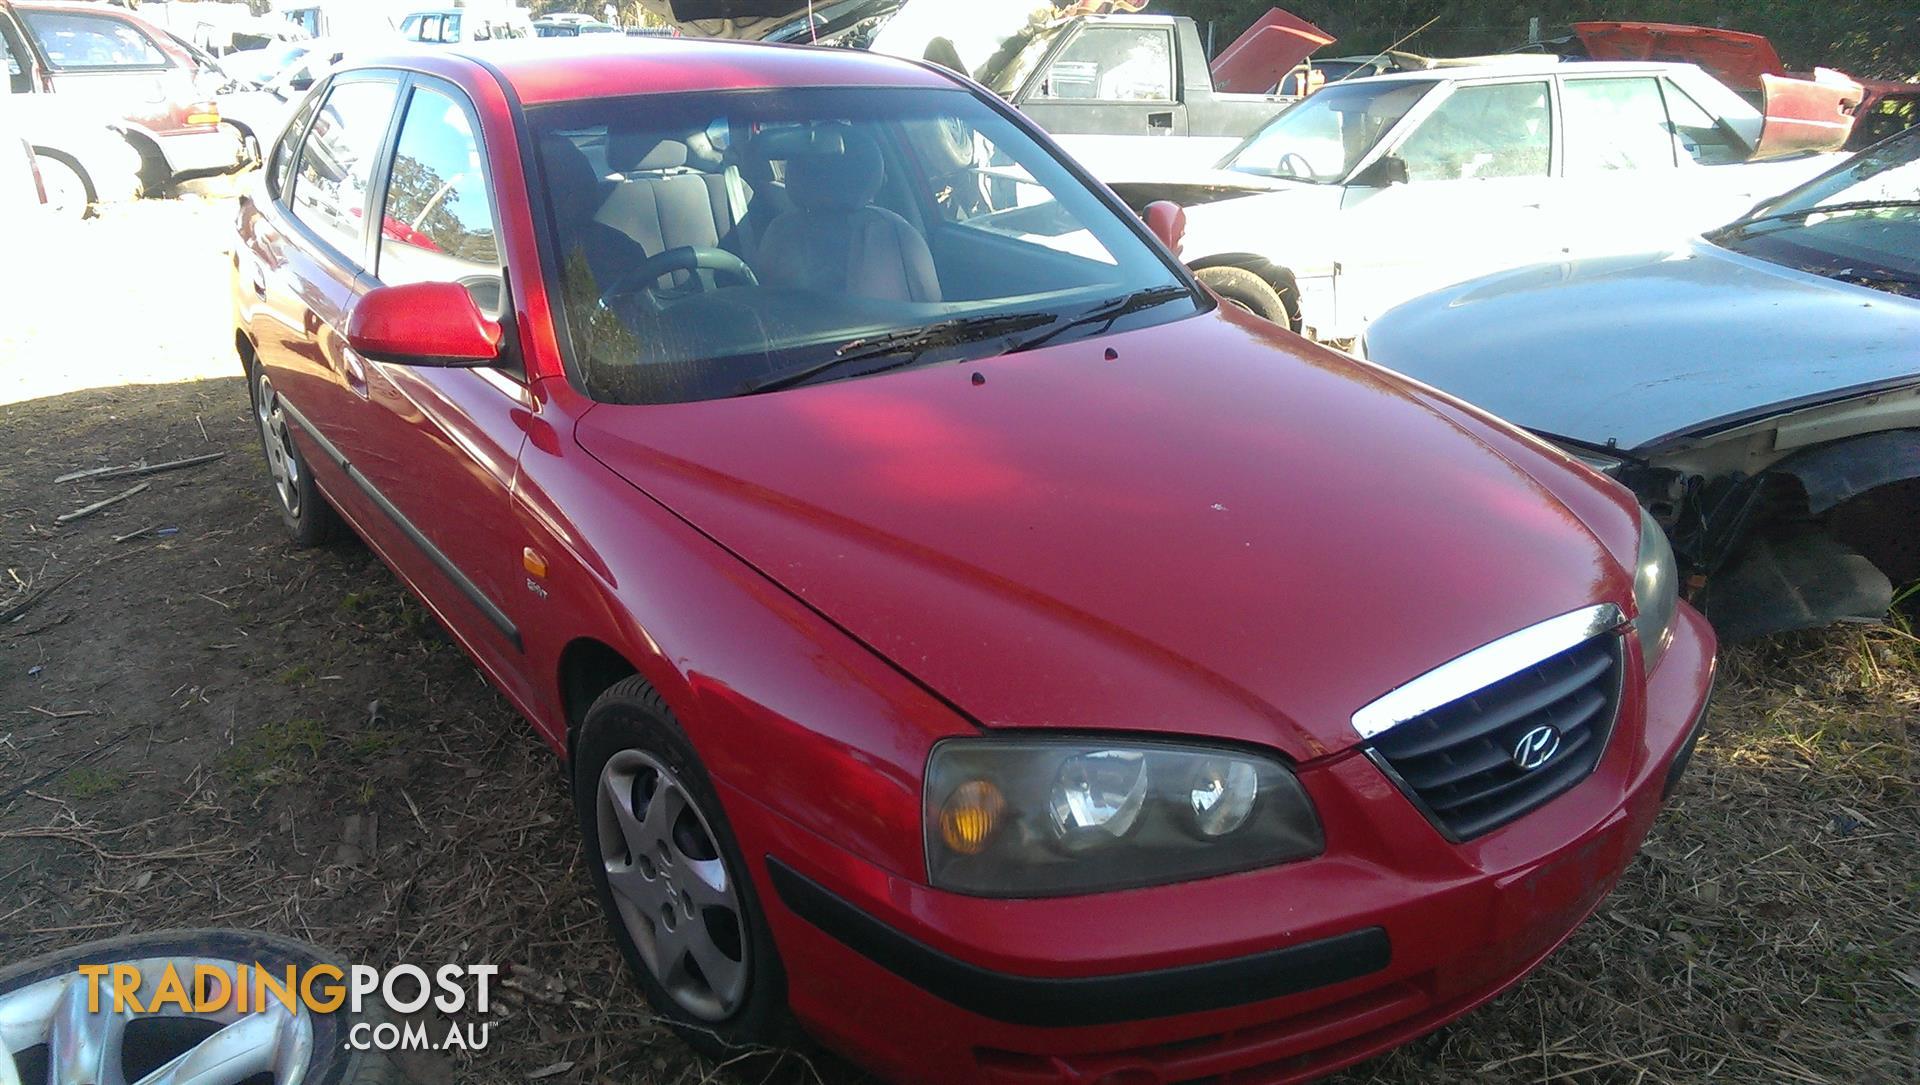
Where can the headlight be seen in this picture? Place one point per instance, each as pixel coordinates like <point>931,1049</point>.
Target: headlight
<point>1656,590</point>
<point>1035,817</point>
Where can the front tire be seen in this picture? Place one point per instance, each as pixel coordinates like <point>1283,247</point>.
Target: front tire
<point>309,519</point>
<point>1238,286</point>
<point>671,879</point>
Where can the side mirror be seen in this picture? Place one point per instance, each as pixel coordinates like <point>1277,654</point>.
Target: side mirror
<point>1386,170</point>
<point>433,324</point>
<point>1168,221</point>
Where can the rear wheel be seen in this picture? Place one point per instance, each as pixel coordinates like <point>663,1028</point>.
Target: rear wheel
<point>1238,286</point>
<point>309,519</point>
<point>671,879</point>
<point>69,194</point>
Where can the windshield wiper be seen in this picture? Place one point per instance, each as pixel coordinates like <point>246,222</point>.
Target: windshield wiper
<point>905,347</point>
<point>1737,228</point>
<point>1107,312</point>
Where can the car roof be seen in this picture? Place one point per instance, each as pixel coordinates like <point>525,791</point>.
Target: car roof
<point>544,70</point>
<point>1526,64</point>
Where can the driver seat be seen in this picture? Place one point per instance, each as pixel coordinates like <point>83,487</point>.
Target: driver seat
<point>834,241</point>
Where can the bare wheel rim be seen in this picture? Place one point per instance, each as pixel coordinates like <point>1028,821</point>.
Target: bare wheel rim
<point>674,893</point>
<point>66,192</point>
<point>93,1047</point>
<point>275,436</point>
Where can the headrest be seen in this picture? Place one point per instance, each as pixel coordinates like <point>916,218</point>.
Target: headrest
<point>635,152</point>
<point>574,188</point>
<point>833,170</point>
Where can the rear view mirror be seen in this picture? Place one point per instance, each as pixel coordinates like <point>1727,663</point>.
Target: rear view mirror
<point>1385,170</point>
<point>434,324</point>
<point>1168,222</point>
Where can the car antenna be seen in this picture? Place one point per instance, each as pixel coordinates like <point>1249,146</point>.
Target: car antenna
<point>1403,40</point>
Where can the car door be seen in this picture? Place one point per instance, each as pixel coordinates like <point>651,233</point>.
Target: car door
<point>440,445</point>
<point>1622,188</point>
<point>1109,89</point>
<point>307,254</point>
<point>1478,166</point>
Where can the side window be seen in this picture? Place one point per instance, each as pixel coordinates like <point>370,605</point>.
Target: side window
<point>1701,135</point>
<point>73,40</point>
<point>438,221</point>
<point>1615,124</point>
<point>1495,130</point>
<point>14,51</point>
<point>1114,64</point>
<point>449,28</point>
<point>336,162</point>
<point>410,27</point>
<point>280,167</point>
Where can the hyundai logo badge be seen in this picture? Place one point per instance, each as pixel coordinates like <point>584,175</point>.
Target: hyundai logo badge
<point>1536,748</point>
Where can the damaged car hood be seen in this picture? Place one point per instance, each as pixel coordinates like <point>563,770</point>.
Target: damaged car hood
<point>1222,531</point>
<point>1641,351</point>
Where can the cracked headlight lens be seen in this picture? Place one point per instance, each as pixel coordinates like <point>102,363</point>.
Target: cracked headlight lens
<point>1036,816</point>
<point>1656,591</point>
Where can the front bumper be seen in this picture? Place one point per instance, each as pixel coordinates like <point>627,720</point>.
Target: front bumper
<point>1275,975</point>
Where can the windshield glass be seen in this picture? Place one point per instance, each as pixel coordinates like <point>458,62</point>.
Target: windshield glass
<point>1859,223</point>
<point>1323,137</point>
<point>713,244</point>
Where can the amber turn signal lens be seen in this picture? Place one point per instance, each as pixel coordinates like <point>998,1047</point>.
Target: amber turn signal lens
<point>970,816</point>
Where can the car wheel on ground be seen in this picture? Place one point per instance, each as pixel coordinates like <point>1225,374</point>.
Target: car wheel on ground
<point>49,1038</point>
<point>671,879</point>
<point>309,519</point>
<point>69,193</point>
<point>1238,286</point>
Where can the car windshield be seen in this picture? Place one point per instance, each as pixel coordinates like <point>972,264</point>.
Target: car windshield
<point>1323,137</point>
<point>1859,223</point>
<point>718,244</point>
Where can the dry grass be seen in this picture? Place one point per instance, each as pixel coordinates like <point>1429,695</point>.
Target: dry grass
<point>206,697</point>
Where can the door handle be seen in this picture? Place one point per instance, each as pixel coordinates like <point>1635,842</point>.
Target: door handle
<point>1160,120</point>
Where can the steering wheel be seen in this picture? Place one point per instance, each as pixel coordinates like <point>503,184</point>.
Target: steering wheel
<point>684,258</point>
<point>1295,165</point>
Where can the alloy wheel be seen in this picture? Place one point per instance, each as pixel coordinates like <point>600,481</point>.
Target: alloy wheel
<point>676,897</point>
<point>50,1019</point>
<point>275,435</point>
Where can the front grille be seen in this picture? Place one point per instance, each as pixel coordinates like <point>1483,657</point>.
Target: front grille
<point>1458,764</point>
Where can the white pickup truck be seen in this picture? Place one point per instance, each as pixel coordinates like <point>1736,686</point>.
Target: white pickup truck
<point>1114,86</point>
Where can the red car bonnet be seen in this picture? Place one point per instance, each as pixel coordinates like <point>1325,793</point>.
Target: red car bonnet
<point>1223,532</point>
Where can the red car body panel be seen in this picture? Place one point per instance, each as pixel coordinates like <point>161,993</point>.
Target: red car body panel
<point>1257,60</point>
<point>802,576</point>
<point>924,486</point>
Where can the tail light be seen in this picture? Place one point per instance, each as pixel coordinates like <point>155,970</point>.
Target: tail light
<point>203,113</point>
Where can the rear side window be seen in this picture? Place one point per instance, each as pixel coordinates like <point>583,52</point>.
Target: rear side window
<point>1615,124</point>
<point>92,41</point>
<point>280,167</point>
<point>336,163</point>
<point>1701,134</point>
<point>438,222</point>
<point>1479,132</point>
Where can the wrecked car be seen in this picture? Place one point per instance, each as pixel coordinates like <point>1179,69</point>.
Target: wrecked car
<point>1758,387</point>
<point>1114,86</point>
<point>964,636</point>
<point>1746,62</point>
<point>1377,190</point>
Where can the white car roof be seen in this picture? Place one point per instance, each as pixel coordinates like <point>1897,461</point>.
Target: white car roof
<point>1527,64</point>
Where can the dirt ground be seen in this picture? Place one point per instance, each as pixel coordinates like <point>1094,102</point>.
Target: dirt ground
<point>201,726</point>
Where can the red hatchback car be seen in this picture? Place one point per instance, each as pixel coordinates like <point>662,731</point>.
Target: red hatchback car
<point>966,636</point>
